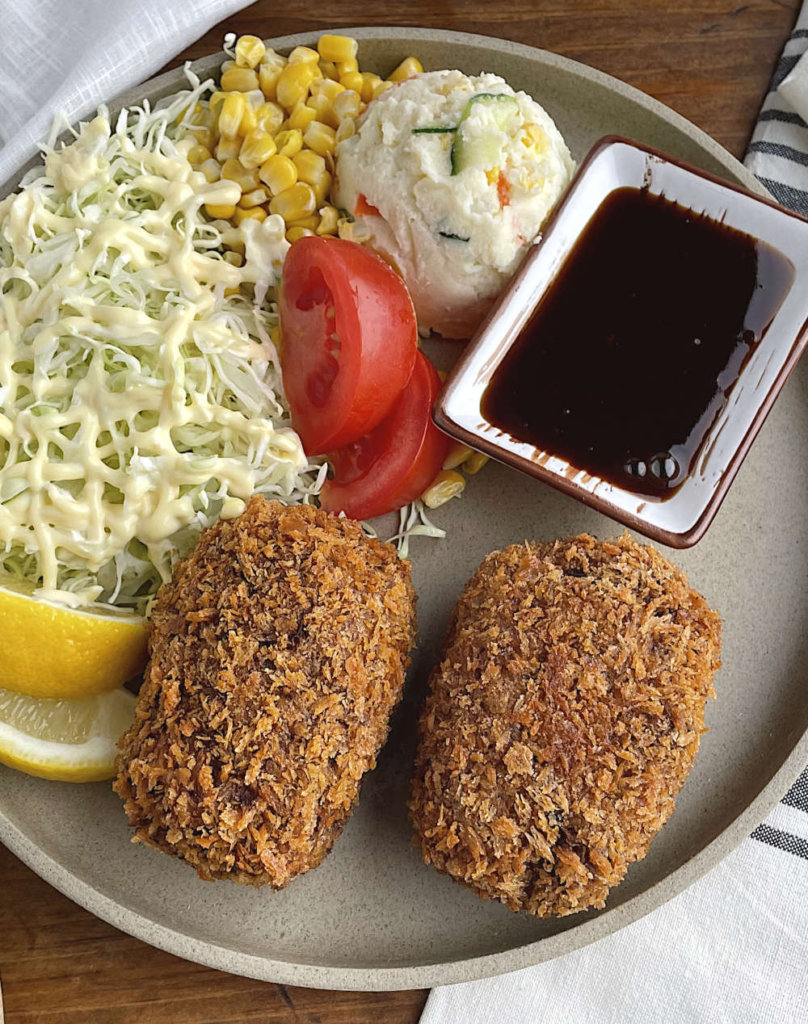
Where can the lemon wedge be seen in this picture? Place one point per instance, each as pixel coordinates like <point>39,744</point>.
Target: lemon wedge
<point>68,740</point>
<point>50,650</point>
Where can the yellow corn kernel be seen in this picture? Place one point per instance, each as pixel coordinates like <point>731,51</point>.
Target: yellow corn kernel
<point>211,169</point>
<point>345,67</point>
<point>346,129</point>
<point>474,463</point>
<point>250,51</point>
<point>352,80</point>
<point>310,166</point>
<point>203,136</point>
<point>327,88</point>
<point>231,114</point>
<point>234,170</point>
<point>269,117</point>
<point>300,118</point>
<point>457,455</point>
<point>294,203</point>
<point>534,136</point>
<point>337,48</point>
<point>323,110</point>
<point>304,55</point>
<point>447,485</point>
<point>289,142</point>
<point>320,137</point>
<point>249,121</point>
<point>293,84</point>
<point>198,154</point>
<point>219,212</point>
<point>227,149</point>
<point>254,99</point>
<point>353,230</point>
<point>322,187</point>
<point>409,66</point>
<point>239,80</point>
<point>328,69</point>
<point>279,174</point>
<point>256,197</point>
<point>296,232</point>
<point>254,213</point>
<point>256,149</point>
<point>369,83</point>
<point>216,98</point>
<point>381,87</point>
<point>235,259</point>
<point>347,104</point>
<point>328,220</point>
<point>311,223</point>
<point>269,71</point>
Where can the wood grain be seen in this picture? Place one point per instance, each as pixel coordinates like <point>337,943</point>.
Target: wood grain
<point>61,965</point>
<point>710,60</point>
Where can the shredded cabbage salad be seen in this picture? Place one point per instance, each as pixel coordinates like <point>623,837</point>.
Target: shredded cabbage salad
<point>140,389</point>
<point>140,394</point>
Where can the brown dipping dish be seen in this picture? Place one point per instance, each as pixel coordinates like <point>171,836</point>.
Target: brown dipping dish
<point>635,355</point>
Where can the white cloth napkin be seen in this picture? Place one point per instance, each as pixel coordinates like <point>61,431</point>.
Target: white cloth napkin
<point>69,55</point>
<point>733,948</point>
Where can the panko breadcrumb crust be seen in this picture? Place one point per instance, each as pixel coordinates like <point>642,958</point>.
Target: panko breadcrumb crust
<point>277,654</point>
<point>562,721</point>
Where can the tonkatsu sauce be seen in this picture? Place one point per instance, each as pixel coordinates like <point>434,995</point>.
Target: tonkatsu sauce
<point>630,355</point>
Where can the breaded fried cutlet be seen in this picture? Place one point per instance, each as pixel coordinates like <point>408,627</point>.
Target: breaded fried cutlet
<point>563,719</point>
<point>277,654</point>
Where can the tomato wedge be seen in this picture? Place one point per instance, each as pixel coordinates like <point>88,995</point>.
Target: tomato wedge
<point>395,463</point>
<point>349,340</point>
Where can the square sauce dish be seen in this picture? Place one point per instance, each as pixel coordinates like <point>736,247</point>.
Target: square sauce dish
<point>635,355</point>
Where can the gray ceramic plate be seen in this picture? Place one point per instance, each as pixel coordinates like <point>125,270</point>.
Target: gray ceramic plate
<point>373,916</point>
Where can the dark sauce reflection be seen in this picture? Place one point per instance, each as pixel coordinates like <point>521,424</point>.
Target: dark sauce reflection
<point>629,357</point>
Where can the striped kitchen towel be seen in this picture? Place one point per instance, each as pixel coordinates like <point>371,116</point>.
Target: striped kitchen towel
<point>733,948</point>
<point>778,152</point>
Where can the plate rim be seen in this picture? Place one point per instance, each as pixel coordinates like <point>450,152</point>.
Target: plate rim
<point>221,957</point>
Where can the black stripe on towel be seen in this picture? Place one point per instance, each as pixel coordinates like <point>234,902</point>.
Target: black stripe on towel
<point>800,33</point>
<point>784,116</point>
<point>784,68</point>
<point>781,840</point>
<point>794,198</point>
<point>797,796</point>
<point>778,149</point>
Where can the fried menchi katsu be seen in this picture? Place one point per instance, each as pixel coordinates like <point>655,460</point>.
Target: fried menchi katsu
<point>563,719</point>
<point>277,654</point>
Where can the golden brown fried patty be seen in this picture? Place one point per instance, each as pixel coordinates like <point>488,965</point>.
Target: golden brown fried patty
<point>278,651</point>
<point>563,720</point>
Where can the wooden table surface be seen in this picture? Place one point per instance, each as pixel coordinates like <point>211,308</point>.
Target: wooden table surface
<point>708,59</point>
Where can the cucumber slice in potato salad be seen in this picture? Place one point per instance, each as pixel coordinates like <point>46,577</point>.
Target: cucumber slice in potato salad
<point>478,144</point>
